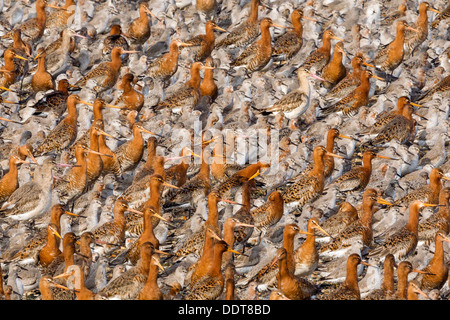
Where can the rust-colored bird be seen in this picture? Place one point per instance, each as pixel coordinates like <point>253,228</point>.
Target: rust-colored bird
<point>258,54</point>
<point>201,46</point>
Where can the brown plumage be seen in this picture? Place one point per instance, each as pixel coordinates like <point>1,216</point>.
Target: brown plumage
<point>349,289</point>
<point>258,54</point>
<point>387,287</point>
<point>288,44</point>
<point>188,94</point>
<point>65,132</point>
<point>292,287</point>
<point>116,38</point>
<point>351,103</point>
<point>358,177</point>
<point>437,269</point>
<point>391,56</point>
<point>9,182</point>
<point>10,72</point>
<point>335,70</point>
<point>245,33</point>
<point>319,58</point>
<point>437,221</point>
<point>130,98</point>
<point>428,193</point>
<point>208,87</point>
<point>403,242</point>
<point>56,100</point>
<point>201,46</point>
<point>308,187</point>
<point>139,29</point>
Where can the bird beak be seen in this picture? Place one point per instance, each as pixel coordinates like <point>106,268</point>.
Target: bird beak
<point>242,224</point>
<point>9,120</point>
<point>334,155</point>
<point>220,29</point>
<point>383,157</point>
<point>415,30</point>
<point>423,272</point>
<point>321,229</point>
<point>255,175</point>
<point>71,214</point>
<point>170,185</point>
<point>130,51</point>
<point>278,25</point>
<point>32,157</point>
<point>368,64</point>
<point>385,202</point>
<point>135,211</point>
<point>152,14</point>
<point>87,103</point>
<point>99,153</point>
<point>312,75</point>
<point>377,77</point>
<point>20,57</point>
<point>6,89</point>
<point>234,251</point>
<point>149,132</point>
<point>430,205</point>
<point>310,19</point>
<point>416,105</point>
<point>112,106</point>
<point>231,201</point>
<point>158,264</point>
<point>336,38</point>
<point>305,232</point>
<point>345,137</point>
<point>367,264</point>
<point>434,10</point>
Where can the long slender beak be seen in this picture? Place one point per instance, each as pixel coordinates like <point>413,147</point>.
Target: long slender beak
<point>278,26</point>
<point>158,264</point>
<point>9,120</point>
<point>385,202</point>
<point>79,36</point>
<point>99,153</point>
<point>20,57</point>
<point>56,233</point>
<point>345,137</point>
<point>321,229</point>
<point>170,185</point>
<point>310,19</point>
<point>207,67</point>
<point>6,89</point>
<point>130,51</point>
<point>367,264</point>
<point>242,224</point>
<point>306,232</point>
<point>37,56</point>
<point>255,175</point>
<point>411,28</point>
<point>32,157</point>
<point>87,103</point>
<point>71,214</point>
<point>220,29</point>
<point>368,64</point>
<point>377,77</point>
<point>112,106</point>
<point>135,211</point>
<point>231,201</point>
<point>67,165</point>
<point>62,275</point>
<point>152,14</point>
<point>334,155</point>
<point>234,251</point>
<point>312,75</point>
<point>416,105</point>
<point>161,252</point>
<point>337,38</point>
<point>57,285</point>
<point>445,178</point>
<point>383,157</point>
<point>430,204</point>
<point>149,132</point>
<point>434,10</point>
<point>423,272</point>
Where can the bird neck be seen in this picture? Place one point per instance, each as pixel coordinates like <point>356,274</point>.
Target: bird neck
<point>194,81</point>
<point>351,279</point>
<point>253,17</point>
<point>116,61</point>
<point>366,219</point>
<point>148,228</point>
<point>119,218</point>
<point>318,166</point>
<point>326,44</point>
<point>215,269</point>
<point>265,39</point>
<point>422,19</point>
<point>367,162</point>
<point>330,142</point>
<point>228,234</point>
<point>13,172</point>
<point>438,256</point>
<point>402,285</point>
<point>85,250</point>
<point>288,244</point>
<point>213,214</point>
<point>41,16</point>
<point>9,64</point>
<point>69,251</point>
<point>413,221</point>
<point>388,280</point>
<point>229,287</point>
<point>298,27</point>
<point>399,39</point>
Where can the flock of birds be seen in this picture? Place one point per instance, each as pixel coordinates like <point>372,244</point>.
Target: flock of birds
<point>128,133</point>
